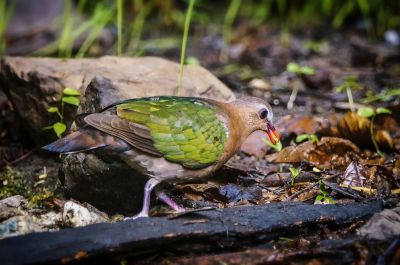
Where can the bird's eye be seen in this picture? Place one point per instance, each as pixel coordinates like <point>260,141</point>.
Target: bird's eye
<point>263,113</point>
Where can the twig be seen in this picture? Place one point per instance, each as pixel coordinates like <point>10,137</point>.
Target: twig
<point>21,158</point>
<point>389,253</point>
<point>294,195</point>
<point>338,189</point>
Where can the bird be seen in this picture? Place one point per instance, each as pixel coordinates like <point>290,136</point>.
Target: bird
<point>169,138</point>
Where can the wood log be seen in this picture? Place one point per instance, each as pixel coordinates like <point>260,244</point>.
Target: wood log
<point>214,229</point>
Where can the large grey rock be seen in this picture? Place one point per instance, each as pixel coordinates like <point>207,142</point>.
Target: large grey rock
<point>382,226</point>
<point>35,84</point>
<point>99,178</point>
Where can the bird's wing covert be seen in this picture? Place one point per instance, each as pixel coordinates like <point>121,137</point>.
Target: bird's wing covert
<point>183,130</point>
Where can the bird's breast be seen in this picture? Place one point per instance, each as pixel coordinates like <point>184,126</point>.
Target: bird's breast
<point>162,169</point>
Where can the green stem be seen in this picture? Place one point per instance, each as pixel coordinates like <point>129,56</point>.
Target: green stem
<point>62,112</point>
<point>66,40</point>
<point>119,22</point>
<point>350,98</point>
<point>184,42</point>
<point>59,115</point>
<point>371,131</point>
<point>293,96</point>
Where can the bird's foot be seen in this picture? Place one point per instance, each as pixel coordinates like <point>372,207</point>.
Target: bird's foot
<point>141,214</point>
<point>169,201</point>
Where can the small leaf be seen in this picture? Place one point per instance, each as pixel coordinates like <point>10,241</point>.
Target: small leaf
<point>341,89</point>
<point>319,199</point>
<point>277,147</point>
<point>71,100</point>
<point>294,171</point>
<point>71,92</point>
<point>313,138</point>
<point>365,112</point>
<point>52,109</point>
<point>59,128</point>
<point>301,138</point>
<point>351,78</point>
<point>306,70</point>
<point>323,189</point>
<point>330,200</point>
<point>293,68</point>
<point>383,111</point>
<point>191,60</point>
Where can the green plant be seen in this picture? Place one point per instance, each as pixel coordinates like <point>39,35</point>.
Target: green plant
<point>191,60</point>
<point>349,84</point>
<point>277,146</point>
<point>305,137</point>
<point>323,197</point>
<point>242,71</point>
<point>142,10</point>
<point>70,96</point>
<point>382,96</point>
<point>184,43</point>
<point>297,70</point>
<point>369,112</point>
<point>5,14</point>
<point>67,39</point>
<point>230,17</point>
<point>319,47</point>
<point>294,173</point>
<point>101,17</point>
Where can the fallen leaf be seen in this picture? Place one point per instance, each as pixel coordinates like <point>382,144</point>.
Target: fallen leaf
<point>357,129</point>
<point>236,193</point>
<point>354,175</point>
<point>300,125</point>
<point>396,169</point>
<point>328,153</point>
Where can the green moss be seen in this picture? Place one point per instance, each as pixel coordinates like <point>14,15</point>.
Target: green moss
<point>14,182</point>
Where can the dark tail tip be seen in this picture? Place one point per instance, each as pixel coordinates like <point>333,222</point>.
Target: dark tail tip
<point>79,141</point>
<point>60,146</point>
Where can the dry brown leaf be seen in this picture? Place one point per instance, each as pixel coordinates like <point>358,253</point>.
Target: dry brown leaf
<point>357,129</point>
<point>396,169</point>
<point>328,153</point>
<point>384,139</point>
<point>299,125</point>
<point>355,175</point>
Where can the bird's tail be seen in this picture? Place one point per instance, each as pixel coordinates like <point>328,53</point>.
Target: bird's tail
<point>86,139</point>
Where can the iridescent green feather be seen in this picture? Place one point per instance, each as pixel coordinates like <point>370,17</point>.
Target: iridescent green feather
<point>184,130</point>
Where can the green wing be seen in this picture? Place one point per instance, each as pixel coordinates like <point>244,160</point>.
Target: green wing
<point>184,130</point>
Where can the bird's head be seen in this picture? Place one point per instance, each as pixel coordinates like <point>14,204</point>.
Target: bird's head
<point>258,115</point>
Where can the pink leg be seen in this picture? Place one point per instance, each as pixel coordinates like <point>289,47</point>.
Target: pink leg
<point>150,184</point>
<point>170,202</point>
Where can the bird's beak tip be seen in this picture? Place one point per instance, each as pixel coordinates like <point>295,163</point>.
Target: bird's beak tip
<point>272,133</point>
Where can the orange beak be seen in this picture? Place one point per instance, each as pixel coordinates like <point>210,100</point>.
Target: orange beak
<point>272,133</point>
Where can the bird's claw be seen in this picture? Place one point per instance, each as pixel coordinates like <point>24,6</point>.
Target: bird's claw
<point>135,217</point>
